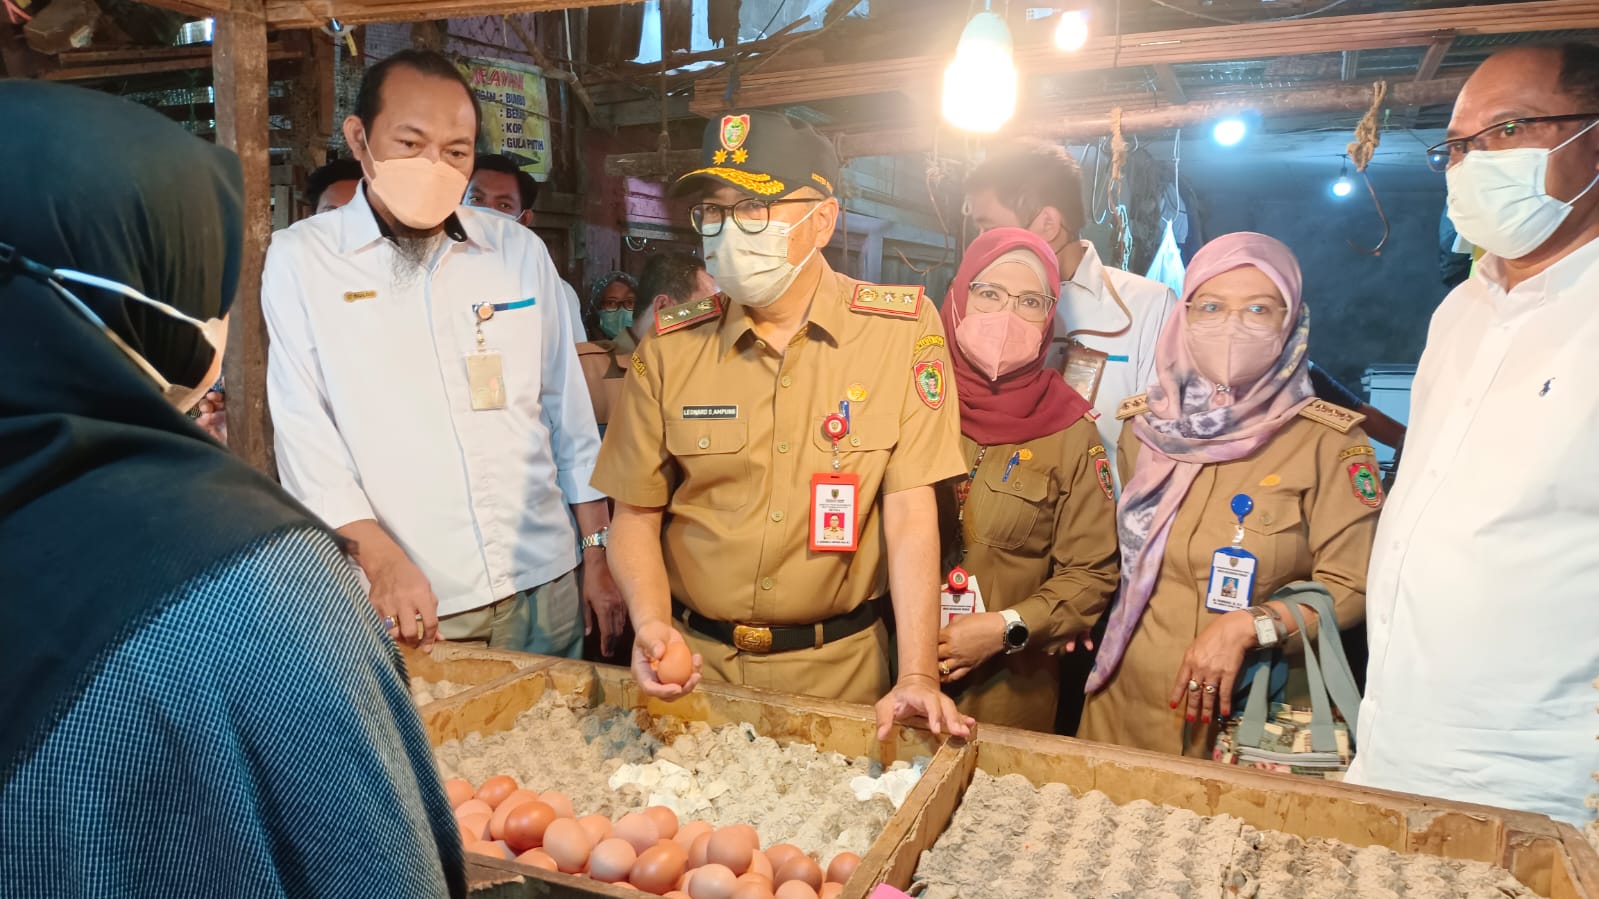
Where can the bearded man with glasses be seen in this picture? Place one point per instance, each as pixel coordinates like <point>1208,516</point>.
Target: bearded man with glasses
<point>774,450</point>
<point>1482,608</point>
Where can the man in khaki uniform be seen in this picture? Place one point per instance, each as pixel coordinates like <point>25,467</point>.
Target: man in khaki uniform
<point>728,489</point>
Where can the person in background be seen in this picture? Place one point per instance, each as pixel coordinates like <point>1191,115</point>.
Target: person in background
<point>499,184</point>
<point>1377,424</point>
<point>610,307</point>
<point>197,647</point>
<point>1229,450</point>
<point>332,185</point>
<point>669,279</point>
<point>426,394</point>
<point>725,481</point>
<point>1484,630</point>
<point>1110,319</point>
<point>1036,519</point>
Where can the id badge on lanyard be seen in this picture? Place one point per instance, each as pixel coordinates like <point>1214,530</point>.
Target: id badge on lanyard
<point>1084,366</point>
<point>485,371</point>
<point>835,495</point>
<point>1232,568</point>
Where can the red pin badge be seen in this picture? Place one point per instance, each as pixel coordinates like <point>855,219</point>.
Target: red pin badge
<point>835,426</point>
<point>959,580</point>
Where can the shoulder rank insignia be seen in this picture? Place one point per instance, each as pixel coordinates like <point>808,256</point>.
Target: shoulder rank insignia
<point>674,318</point>
<point>1333,416</point>
<point>898,300</point>
<point>1133,405</point>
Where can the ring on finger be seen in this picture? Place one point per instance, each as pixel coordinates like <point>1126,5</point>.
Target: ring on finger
<point>943,668</point>
<point>1210,688</point>
<point>388,623</point>
<point>1193,686</point>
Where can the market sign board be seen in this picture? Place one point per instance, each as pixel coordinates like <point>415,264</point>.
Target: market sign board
<point>516,112</point>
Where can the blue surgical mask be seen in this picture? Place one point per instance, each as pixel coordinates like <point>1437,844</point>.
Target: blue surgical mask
<point>615,321</point>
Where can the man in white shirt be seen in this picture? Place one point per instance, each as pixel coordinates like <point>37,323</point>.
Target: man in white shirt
<point>424,386</point>
<point>1483,599</point>
<point>1113,316</point>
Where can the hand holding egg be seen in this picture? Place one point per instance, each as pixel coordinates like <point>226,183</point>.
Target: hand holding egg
<point>663,664</point>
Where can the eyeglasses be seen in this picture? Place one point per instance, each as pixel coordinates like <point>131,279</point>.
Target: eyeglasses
<point>1507,135</point>
<point>1030,305</point>
<point>751,215</point>
<point>1255,316</point>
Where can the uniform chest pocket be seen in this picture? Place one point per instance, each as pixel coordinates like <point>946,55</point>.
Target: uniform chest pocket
<point>1003,511</point>
<point>1274,532</point>
<point>715,468</point>
<point>867,434</point>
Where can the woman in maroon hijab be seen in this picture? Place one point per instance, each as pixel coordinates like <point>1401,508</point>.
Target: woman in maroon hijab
<point>1037,529</point>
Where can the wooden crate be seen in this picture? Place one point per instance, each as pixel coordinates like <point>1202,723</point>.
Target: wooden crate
<point>460,663</point>
<point>1553,859</point>
<point>844,728</point>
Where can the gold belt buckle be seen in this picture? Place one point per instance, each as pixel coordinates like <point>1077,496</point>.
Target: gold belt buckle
<point>752,639</point>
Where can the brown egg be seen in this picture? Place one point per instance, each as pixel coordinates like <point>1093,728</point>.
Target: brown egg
<point>749,887</point>
<point>502,849</point>
<point>842,867</point>
<point>480,847</point>
<point>801,868</point>
<point>712,882</point>
<point>475,823</point>
<point>688,833</point>
<point>473,807</point>
<point>697,854</point>
<point>559,801</point>
<point>659,867</point>
<point>676,665</point>
<point>526,824</point>
<point>665,820</point>
<point>830,891</point>
<point>639,829</point>
<point>760,864</point>
<point>495,789</point>
<point>733,847</point>
<point>781,853</point>
<point>795,889</point>
<point>567,844</point>
<point>676,894</point>
<point>612,860</point>
<point>598,827</point>
<point>467,835</point>
<point>538,858</point>
<point>459,791</point>
<point>505,808</point>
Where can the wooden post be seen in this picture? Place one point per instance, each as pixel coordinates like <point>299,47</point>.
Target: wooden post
<point>239,54</point>
<point>310,112</point>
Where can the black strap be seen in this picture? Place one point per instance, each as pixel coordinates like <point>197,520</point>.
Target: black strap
<point>785,638</point>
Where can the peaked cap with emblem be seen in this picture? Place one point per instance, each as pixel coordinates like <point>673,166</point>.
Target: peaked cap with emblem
<point>766,155</point>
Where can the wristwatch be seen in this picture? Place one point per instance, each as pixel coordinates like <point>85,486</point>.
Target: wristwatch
<point>1016,632</point>
<point>1265,625</point>
<point>601,539</point>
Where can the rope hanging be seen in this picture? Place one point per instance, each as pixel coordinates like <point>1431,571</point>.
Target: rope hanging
<point>1113,191</point>
<point>1367,136</point>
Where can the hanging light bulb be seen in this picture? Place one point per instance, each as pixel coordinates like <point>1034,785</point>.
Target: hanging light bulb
<point>1072,31</point>
<point>1229,132</point>
<point>1343,187</point>
<point>980,82</point>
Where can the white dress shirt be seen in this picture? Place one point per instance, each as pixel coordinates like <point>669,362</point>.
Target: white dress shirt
<point>1483,599</point>
<point>1085,303</point>
<point>368,388</point>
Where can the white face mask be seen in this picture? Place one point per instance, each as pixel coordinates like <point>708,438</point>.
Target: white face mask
<point>753,269</point>
<point>215,332</point>
<point>1498,199</point>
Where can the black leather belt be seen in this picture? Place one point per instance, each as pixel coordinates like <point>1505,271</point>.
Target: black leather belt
<point>782,638</point>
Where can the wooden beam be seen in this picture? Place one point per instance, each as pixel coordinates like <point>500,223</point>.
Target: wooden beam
<point>1430,63</point>
<point>640,112</point>
<point>1089,120</point>
<point>200,9</point>
<point>1401,28</point>
<point>239,49</point>
<point>316,13</point>
<point>1171,90</point>
<point>1267,103</point>
<point>199,60</point>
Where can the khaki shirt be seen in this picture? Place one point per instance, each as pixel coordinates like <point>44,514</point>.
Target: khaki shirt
<point>725,432</point>
<point>1310,522</point>
<point>1040,539</point>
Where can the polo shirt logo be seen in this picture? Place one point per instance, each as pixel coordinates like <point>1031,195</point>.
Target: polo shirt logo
<point>351,296</point>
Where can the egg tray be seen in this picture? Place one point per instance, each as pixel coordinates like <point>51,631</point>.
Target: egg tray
<point>472,666</point>
<point>1550,858</point>
<point>844,728</point>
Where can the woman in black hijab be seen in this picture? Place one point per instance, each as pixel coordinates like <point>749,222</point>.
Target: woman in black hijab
<point>198,700</point>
